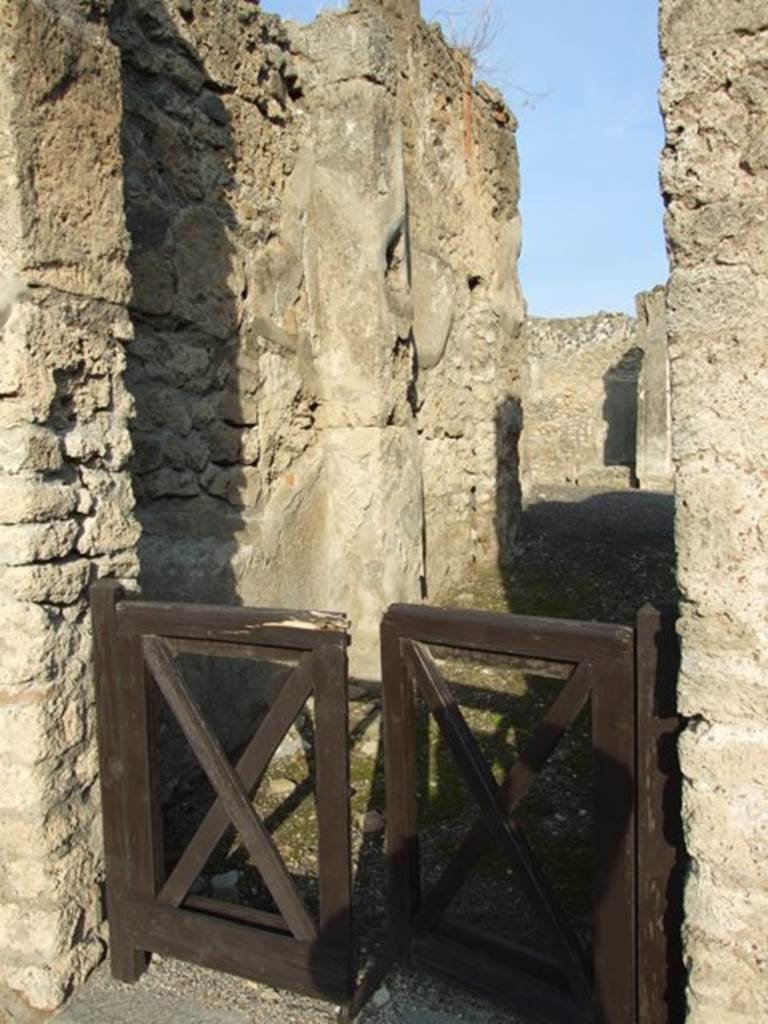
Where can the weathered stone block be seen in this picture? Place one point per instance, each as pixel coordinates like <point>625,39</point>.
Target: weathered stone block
<point>216,479</point>
<point>74,233</point>
<point>105,436</point>
<point>42,989</point>
<point>29,877</point>
<point>37,542</point>
<point>694,23</point>
<point>47,583</point>
<point>35,931</point>
<point>20,786</point>
<point>225,443</point>
<point>30,501</point>
<point>110,529</point>
<point>29,449</point>
<point>186,452</point>
<point>434,304</point>
<point>27,723</point>
<point>27,641</point>
<point>170,483</point>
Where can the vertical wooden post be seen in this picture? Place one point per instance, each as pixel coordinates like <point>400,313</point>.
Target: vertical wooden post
<point>142,808</point>
<point>613,729</point>
<point>401,785</point>
<point>661,849</point>
<point>128,963</point>
<point>329,666</point>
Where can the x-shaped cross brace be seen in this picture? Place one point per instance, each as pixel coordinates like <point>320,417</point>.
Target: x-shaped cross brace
<point>233,785</point>
<point>497,804</point>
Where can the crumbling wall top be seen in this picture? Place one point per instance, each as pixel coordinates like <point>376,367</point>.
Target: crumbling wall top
<point>406,9</point>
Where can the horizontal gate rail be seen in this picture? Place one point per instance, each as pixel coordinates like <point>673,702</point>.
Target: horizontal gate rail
<point>271,627</point>
<point>136,647</point>
<point>601,661</point>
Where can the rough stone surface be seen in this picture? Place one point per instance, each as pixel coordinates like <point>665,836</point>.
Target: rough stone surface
<point>65,494</point>
<point>302,202</point>
<point>596,400</point>
<point>653,466</point>
<point>463,244</point>
<point>221,243</point>
<point>579,414</point>
<point>715,179</point>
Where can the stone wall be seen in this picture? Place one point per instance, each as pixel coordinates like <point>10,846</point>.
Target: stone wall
<point>65,493</point>
<point>580,401</point>
<point>464,238</point>
<point>715,179</point>
<point>261,280</point>
<point>595,400</point>
<point>653,461</point>
<point>324,293</point>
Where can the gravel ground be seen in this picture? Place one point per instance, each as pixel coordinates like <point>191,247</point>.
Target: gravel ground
<point>580,554</point>
<point>172,992</point>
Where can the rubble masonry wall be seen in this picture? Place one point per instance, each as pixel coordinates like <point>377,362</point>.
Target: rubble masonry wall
<point>715,181</point>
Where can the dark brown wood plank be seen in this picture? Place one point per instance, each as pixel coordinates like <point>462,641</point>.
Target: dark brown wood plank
<point>332,794</point>
<point>549,639</point>
<point>506,831</point>
<point>614,917</point>
<point>402,830</point>
<point>661,857</point>
<point>237,912</point>
<point>127,961</point>
<point>221,649</point>
<point>277,960</point>
<point>250,769</point>
<point>143,866</point>
<point>229,789</point>
<point>553,726</point>
<point>263,627</point>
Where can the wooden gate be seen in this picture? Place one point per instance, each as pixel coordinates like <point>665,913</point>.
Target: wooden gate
<point>632,971</point>
<point>136,649</point>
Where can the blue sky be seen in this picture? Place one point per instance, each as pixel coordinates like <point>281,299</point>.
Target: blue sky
<point>582,79</point>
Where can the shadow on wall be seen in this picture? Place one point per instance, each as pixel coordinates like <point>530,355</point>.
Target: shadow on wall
<point>621,383</point>
<point>509,427</point>
<point>177,150</point>
<point>195,437</point>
